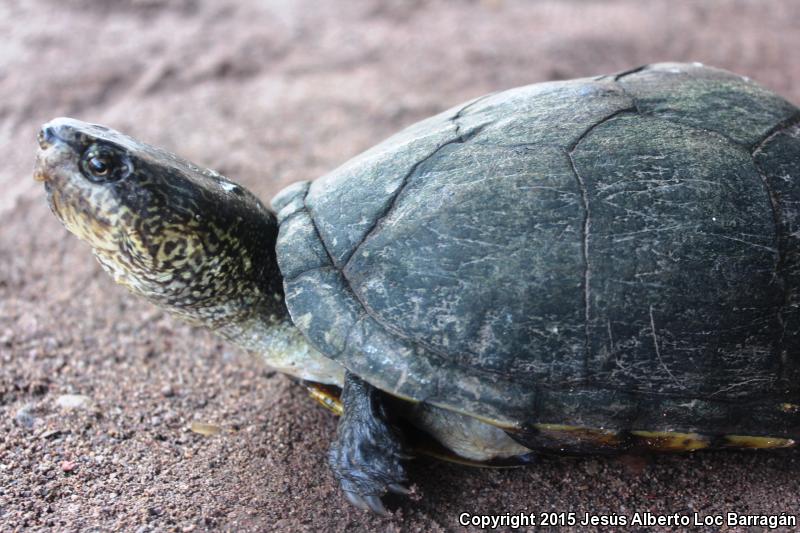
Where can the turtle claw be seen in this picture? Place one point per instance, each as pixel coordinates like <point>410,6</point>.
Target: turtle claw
<point>376,505</point>
<point>397,488</point>
<point>366,471</point>
<point>356,500</point>
<point>367,503</point>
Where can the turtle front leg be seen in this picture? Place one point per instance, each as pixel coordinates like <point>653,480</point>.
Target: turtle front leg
<point>367,455</point>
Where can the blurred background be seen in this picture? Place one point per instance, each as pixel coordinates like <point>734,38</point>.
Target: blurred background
<point>98,390</point>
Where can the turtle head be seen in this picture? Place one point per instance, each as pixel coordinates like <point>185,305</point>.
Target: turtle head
<point>184,237</point>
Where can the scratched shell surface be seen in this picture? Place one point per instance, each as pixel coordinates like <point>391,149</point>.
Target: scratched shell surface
<point>617,252</point>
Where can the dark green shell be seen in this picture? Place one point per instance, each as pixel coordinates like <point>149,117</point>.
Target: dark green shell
<point>619,252</point>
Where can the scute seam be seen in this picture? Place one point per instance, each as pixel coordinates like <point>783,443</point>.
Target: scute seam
<point>735,143</point>
<point>635,101</point>
<point>304,272</point>
<point>628,72</point>
<point>291,216</point>
<point>316,230</point>
<point>585,227</point>
<point>779,128</point>
<point>461,111</point>
<point>406,179</point>
<point>367,312</point>
<point>585,257</point>
<point>589,386</point>
<point>630,110</point>
<point>780,240</point>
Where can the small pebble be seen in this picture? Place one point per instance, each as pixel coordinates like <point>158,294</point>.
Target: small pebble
<point>205,429</point>
<point>51,434</point>
<point>68,466</point>
<point>73,401</point>
<point>24,418</point>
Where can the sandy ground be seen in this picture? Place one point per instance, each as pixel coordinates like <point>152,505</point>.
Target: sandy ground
<point>269,93</point>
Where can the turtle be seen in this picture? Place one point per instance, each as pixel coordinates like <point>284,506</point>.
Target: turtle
<point>599,265</point>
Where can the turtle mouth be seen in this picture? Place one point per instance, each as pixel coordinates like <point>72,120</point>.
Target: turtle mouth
<point>56,152</point>
<point>45,137</point>
<point>43,172</point>
<point>40,171</point>
<point>40,176</point>
<point>49,160</point>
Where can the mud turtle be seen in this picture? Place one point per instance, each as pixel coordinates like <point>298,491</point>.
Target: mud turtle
<point>592,265</point>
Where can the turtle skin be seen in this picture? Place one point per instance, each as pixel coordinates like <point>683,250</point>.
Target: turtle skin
<point>618,252</point>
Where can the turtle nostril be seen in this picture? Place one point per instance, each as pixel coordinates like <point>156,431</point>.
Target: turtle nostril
<point>45,137</point>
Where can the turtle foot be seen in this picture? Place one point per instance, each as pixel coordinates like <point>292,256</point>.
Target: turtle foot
<point>367,456</point>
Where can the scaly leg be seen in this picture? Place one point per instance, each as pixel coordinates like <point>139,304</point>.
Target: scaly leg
<point>367,455</point>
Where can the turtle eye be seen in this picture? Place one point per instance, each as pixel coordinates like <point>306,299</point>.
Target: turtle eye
<point>104,163</point>
<point>99,165</point>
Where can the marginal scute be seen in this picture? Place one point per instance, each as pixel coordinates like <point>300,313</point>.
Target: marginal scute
<point>299,247</point>
<point>574,438</point>
<point>321,293</point>
<point>749,441</point>
<point>290,200</point>
<point>326,397</point>
<point>669,441</point>
<point>580,439</point>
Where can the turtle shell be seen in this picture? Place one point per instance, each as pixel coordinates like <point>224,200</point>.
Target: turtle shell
<point>618,253</point>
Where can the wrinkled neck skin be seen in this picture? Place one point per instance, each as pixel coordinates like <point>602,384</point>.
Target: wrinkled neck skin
<point>272,337</point>
<point>282,347</point>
